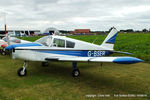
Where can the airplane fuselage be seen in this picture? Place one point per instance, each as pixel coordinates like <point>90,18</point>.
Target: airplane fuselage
<point>79,49</point>
<point>41,54</point>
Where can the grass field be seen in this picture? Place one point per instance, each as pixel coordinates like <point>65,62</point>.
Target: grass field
<point>56,83</point>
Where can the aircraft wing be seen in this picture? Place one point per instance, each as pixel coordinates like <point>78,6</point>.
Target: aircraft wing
<point>119,60</point>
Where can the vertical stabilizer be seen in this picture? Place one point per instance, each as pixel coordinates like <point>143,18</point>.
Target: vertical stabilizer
<point>110,39</point>
<point>8,38</point>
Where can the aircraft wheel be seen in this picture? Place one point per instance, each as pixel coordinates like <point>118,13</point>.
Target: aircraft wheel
<point>21,72</point>
<point>75,73</point>
<point>3,53</point>
<point>45,64</point>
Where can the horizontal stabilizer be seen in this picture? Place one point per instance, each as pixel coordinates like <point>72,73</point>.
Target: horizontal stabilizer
<point>121,52</point>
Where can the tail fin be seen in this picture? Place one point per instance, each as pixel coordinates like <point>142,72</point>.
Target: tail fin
<point>109,41</point>
<point>8,38</point>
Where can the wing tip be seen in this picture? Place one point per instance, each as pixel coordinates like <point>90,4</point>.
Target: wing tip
<point>127,60</point>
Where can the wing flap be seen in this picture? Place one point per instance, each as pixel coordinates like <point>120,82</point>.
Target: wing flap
<point>83,59</point>
<point>102,59</point>
<point>72,59</point>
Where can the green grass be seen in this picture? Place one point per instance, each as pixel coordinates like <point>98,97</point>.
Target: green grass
<point>56,83</point>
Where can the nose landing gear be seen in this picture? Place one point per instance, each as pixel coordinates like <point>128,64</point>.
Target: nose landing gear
<point>22,71</point>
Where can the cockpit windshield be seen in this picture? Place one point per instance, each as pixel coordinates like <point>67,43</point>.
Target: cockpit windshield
<point>15,40</point>
<point>12,39</point>
<point>46,40</point>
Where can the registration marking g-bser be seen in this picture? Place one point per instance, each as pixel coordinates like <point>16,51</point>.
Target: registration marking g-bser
<point>95,53</point>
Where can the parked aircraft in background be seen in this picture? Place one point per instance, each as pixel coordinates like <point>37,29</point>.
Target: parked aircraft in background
<point>12,40</point>
<point>2,42</point>
<point>61,48</point>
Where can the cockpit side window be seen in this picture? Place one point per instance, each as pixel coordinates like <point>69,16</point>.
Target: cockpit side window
<point>70,44</point>
<point>59,43</point>
<point>15,40</point>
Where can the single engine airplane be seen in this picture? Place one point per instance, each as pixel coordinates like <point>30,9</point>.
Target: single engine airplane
<point>62,48</point>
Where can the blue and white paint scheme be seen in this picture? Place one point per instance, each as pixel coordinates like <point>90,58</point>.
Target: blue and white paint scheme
<point>10,47</point>
<point>62,48</point>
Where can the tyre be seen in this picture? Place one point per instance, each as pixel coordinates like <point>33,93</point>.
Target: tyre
<point>75,73</point>
<point>3,53</point>
<point>45,64</point>
<point>20,72</point>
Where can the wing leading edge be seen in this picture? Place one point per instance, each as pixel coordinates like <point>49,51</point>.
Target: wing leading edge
<point>119,60</point>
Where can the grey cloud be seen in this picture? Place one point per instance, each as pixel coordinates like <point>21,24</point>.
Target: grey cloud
<point>70,14</point>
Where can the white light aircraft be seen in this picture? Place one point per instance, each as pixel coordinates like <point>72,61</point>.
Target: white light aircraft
<point>61,48</point>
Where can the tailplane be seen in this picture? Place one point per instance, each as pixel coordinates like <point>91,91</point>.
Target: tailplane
<point>8,38</point>
<point>110,39</point>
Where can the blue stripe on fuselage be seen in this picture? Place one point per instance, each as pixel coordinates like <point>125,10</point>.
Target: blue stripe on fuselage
<point>81,53</point>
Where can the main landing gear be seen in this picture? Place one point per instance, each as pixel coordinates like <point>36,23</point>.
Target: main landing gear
<point>45,64</point>
<point>22,71</point>
<point>75,71</point>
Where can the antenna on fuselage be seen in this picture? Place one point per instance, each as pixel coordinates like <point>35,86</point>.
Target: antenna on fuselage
<point>94,40</point>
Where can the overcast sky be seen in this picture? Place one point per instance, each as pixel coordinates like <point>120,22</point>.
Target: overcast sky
<point>73,14</point>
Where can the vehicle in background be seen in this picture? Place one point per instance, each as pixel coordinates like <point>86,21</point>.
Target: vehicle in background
<point>4,42</point>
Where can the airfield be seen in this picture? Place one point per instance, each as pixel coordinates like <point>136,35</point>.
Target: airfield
<point>56,83</point>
